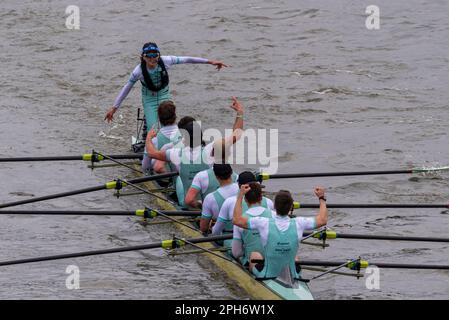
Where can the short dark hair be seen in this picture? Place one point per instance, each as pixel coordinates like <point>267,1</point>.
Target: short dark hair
<point>283,202</point>
<point>167,113</point>
<point>192,135</point>
<point>255,194</point>
<point>222,171</point>
<point>184,121</point>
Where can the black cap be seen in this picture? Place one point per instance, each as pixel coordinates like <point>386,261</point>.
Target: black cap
<point>246,177</point>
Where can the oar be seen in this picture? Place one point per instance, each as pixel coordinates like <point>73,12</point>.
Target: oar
<point>85,157</point>
<point>117,184</point>
<point>140,213</point>
<point>327,234</point>
<point>266,176</point>
<point>365,264</point>
<point>298,205</point>
<point>358,264</point>
<point>165,244</point>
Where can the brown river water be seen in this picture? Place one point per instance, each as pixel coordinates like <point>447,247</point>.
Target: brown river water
<point>342,97</point>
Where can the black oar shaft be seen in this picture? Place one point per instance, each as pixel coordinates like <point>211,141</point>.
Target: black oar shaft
<point>337,174</point>
<point>97,213</point>
<point>378,264</point>
<point>385,237</point>
<point>108,251</point>
<point>375,206</point>
<point>86,190</point>
<point>53,196</point>
<point>67,158</point>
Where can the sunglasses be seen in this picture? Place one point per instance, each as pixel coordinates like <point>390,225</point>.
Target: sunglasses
<point>152,55</point>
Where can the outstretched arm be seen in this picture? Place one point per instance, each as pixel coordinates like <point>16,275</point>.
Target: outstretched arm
<point>238,219</point>
<point>321,217</point>
<point>171,60</point>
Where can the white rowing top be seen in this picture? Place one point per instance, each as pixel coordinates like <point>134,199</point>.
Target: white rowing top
<point>210,206</point>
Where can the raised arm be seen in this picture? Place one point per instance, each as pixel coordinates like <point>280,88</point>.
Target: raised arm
<point>321,217</point>
<point>151,149</point>
<point>238,219</point>
<point>237,129</point>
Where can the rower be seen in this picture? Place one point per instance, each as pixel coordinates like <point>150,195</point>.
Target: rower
<point>280,235</point>
<point>196,156</point>
<point>224,220</point>
<point>161,166</point>
<point>153,75</point>
<point>205,182</point>
<point>244,242</point>
<point>167,136</point>
<point>214,201</point>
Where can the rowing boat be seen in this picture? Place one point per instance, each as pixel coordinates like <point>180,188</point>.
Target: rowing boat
<point>270,289</point>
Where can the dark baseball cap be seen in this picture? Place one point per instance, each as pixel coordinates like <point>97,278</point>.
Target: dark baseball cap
<point>246,177</point>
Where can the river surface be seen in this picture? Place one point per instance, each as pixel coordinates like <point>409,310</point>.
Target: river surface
<point>342,97</point>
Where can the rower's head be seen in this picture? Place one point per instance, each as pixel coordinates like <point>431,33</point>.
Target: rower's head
<point>184,121</point>
<point>254,195</point>
<point>192,135</point>
<point>167,113</point>
<point>283,203</point>
<point>223,172</point>
<point>246,177</point>
<point>150,54</point>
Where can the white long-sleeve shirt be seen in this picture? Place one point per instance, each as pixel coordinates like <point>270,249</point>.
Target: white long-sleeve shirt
<point>137,75</point>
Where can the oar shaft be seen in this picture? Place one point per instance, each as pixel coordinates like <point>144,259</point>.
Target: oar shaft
<point>108,251</point>
<point>384,237</point>
<point>53,196</point>
<point>374,206</point>
<point>81,254</point>
<point>378,264</point>
<point>67,158</point>
<point>96,213</point>
<point>337,174</point>
<point>86,190</point>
